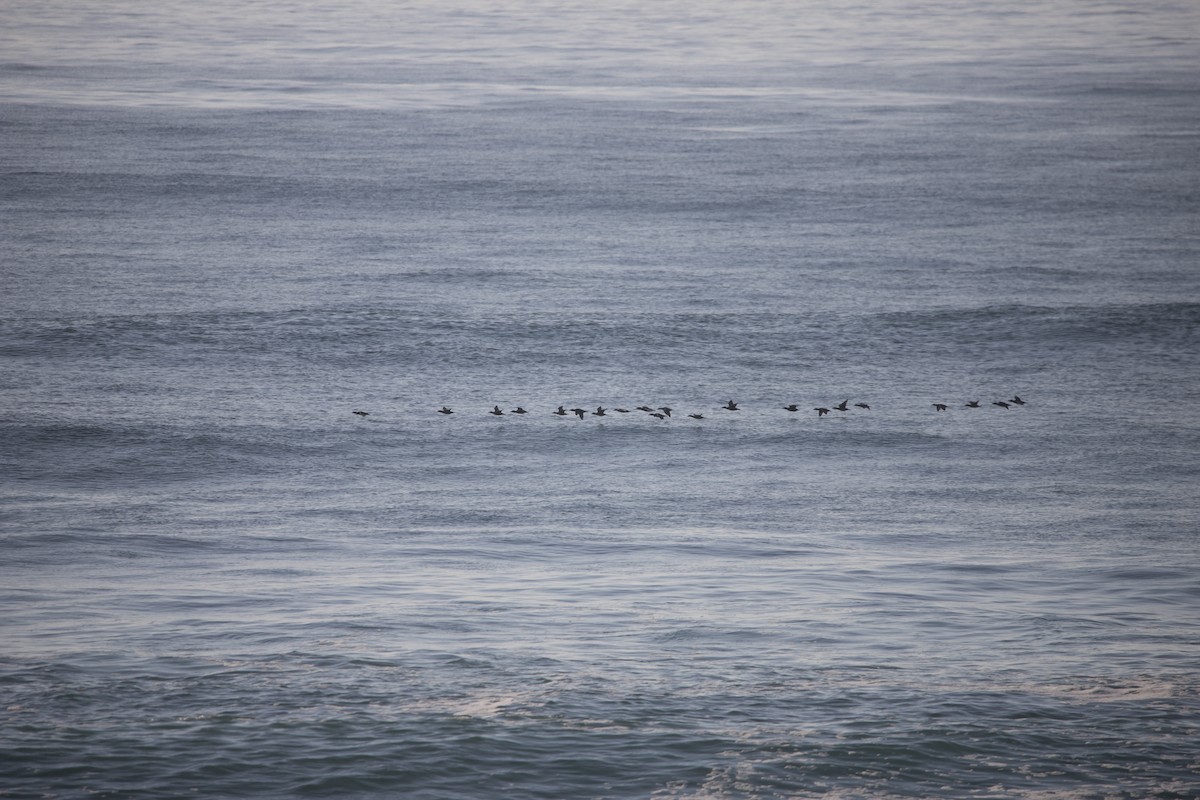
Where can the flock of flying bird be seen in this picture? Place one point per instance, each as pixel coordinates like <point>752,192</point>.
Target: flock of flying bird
<point>662,412</point>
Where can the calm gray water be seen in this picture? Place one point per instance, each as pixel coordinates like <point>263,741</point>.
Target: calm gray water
<point>227,226</point>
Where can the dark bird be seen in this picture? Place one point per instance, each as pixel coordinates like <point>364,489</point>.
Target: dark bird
<point>1001,403</point>
<point>496,411</point>
<point>599,412</point>
<point>730,406</point>
<point>821,411</point>
<point>647,409</point>
<point>841,406</point>
<point>792,407</point>
<point>665,410</point>
<point>445,410</point>
<point>862,405</point>
<point>940,406</point>
<point>656,415</point>
<point>579,412</point>
<point>973,404</point>
<point>1017,400</point>
<point>562,412</point>
<point>361,413</point>
<point>696,416</point>
<point>519,410</point>
<point>621,410</point>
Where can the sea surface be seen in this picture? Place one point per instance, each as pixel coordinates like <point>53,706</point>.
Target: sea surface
<point>225,227</point>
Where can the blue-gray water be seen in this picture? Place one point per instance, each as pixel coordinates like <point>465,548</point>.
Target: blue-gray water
<point>227,226</point>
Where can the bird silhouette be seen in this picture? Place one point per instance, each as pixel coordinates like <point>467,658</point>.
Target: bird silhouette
<point>361,413</point>
<point>664,412</point>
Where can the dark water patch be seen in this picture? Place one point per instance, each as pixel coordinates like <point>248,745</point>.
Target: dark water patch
<point>1135,574</point>
<point>124,544</point>
<point>1172,324</point>
<point>461,755</point>
<point>133,454</point>
<point>21,66</point>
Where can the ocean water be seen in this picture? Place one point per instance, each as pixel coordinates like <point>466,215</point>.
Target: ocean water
<point>227,226</point>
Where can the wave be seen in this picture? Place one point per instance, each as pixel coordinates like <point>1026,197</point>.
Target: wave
<point>396,327</point>
<point>93,455</point>
<point>1047,323</point>
<point>125,545</point>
